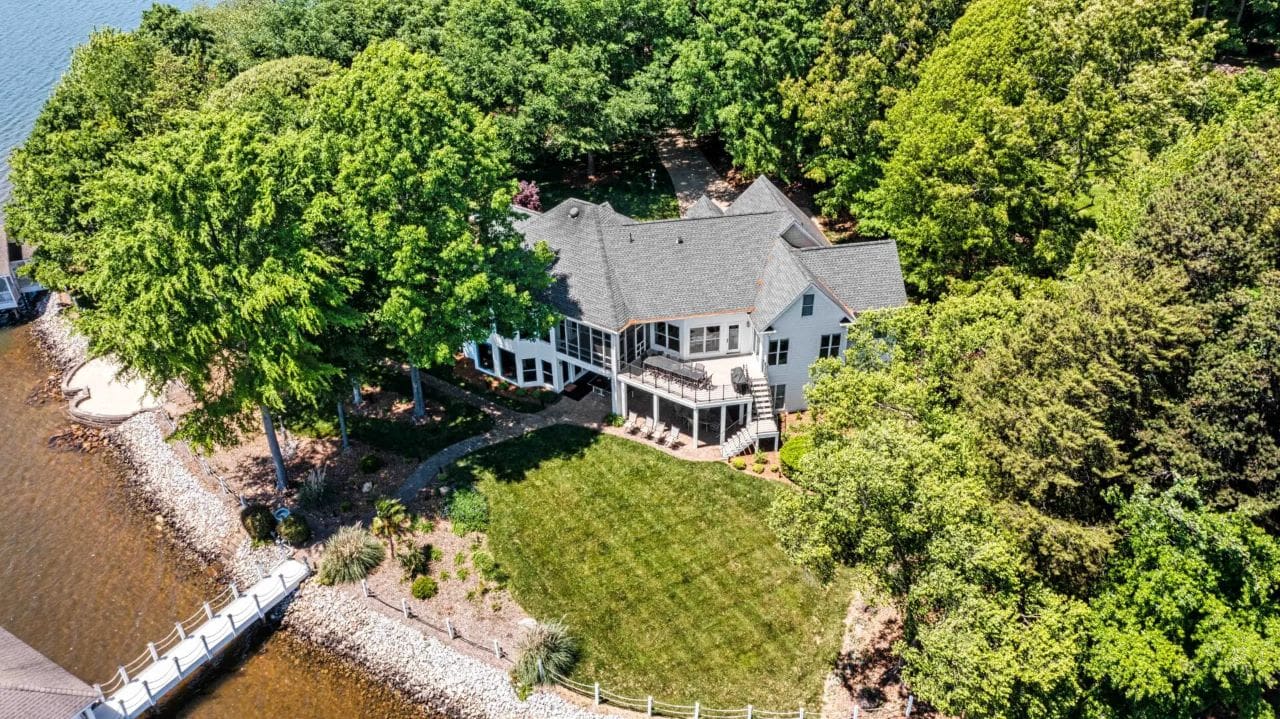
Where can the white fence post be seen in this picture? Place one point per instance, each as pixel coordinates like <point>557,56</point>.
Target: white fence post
<point>855,711</point>
<point>911,704</point>
<point>597,694</point>
<point>182,633</point>
<point>649,707</point>
<point>750,711</point>
<point>448,627</point>
<point>697,710</point>
<point>497,650</point>
<point>235,593</point>
<point>151,648</point>
<point>124,676</point>
<point>801,712</point>
<point>208,611</point>
<point>404,607</point>
<point>364,585</point>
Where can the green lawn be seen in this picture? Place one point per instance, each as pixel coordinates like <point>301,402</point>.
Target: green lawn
<point>622,179</point>
<point>663,568</point>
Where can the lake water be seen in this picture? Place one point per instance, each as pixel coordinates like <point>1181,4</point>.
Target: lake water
<point>84,577</point>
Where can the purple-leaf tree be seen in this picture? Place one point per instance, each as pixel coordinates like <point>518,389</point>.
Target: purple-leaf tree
<point>528,196</point>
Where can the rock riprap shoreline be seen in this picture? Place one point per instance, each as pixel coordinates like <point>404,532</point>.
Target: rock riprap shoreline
<point>426,669</point>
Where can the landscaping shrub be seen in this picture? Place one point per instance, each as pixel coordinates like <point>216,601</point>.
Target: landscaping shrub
<point>488,567</point>
<point>370,463</point>
<point>258,522</point>
<point>738,462</point>
<point>794,450</point>
<point>758,468</point>
<point>469,511</point>
<point>549,642</point>
<point>349,556</point>
<point>315,490</point>
<point>415,561</point>
<point>614,420</point>
<point>424,588</point>
<point>294,530</point>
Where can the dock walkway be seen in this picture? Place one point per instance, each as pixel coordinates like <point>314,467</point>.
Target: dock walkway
<point>139,685</point>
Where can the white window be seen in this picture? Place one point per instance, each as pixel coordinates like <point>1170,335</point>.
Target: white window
<point>829,345</point>
<point>704,339</point>
<point>529,370</point>
<point>806,305</point>
<point>731,340</point>
<point>778,350</point>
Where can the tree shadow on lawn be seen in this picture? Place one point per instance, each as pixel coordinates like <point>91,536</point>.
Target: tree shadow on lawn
<point>513,460</point>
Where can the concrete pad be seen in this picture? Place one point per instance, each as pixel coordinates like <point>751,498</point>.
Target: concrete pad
<point>104,393</point>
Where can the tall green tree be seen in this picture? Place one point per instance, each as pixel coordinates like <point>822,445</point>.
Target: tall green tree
<point>206,276</point>
<point>1030,102</point>
<point>417,188</point>
<point>119,87</point>
<point>728,76</point>
<point>1188,624</point>
<point>871,52</point>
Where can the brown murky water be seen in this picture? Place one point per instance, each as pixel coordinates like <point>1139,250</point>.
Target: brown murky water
<point>88,580</point>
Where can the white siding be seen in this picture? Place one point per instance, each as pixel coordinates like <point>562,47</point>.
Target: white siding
<point>723,322</point>
<point>805,334</point>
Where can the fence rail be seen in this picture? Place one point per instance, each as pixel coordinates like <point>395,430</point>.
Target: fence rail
<point>680,388</point>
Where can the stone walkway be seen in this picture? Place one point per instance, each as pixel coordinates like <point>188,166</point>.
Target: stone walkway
<point>690,172</point>
<point>508,424</point>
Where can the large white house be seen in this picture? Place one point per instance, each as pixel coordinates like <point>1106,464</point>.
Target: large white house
<point>709,322</point>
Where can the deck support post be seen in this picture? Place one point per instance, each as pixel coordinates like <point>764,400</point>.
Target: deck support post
<point>257,606</point>
<point>204,641</point>
<point>655,409</point>
<point>151,648</point>
<point>695,427</point>
<point>177,665</point>
<point>151,700</point>
<point>724,414</point>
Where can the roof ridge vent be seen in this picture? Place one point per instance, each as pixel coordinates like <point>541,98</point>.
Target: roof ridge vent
<point>574,211</point>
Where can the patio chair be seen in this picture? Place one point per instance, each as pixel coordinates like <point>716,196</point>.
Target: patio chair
<point>656,432</point>
<point>674,437</point>
<point>630,423</point>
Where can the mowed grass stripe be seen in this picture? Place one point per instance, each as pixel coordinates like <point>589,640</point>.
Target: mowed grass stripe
<point>663,568</point>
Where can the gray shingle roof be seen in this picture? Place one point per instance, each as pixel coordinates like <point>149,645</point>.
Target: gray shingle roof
<point>764,196</point>
<point>612,271</point>
<point>703,207</point>
<point>33,687</point>
<point>863,275</point>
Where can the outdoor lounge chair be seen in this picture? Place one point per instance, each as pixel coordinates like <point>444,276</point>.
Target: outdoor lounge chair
<point>630,424</point>
<point>673,437</point>
<point>656,430</point>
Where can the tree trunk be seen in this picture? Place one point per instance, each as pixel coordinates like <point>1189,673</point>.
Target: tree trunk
<point>342,426</point>
<point>274,444</point>
<point>591,165</point>
<point>357,399</point>
<point>419,407</point>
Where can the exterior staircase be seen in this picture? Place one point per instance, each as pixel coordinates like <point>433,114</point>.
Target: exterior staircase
<point>747,437</point>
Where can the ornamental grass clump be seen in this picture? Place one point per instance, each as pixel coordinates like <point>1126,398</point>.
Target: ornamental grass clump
<point>350,556</point>
<point>553,645</point>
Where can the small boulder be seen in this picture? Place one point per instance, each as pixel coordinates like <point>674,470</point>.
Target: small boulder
<point>368,487</point>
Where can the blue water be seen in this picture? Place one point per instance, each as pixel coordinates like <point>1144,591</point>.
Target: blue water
<point>36,40</point>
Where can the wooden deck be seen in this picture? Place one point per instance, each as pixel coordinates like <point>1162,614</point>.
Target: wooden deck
<point>162,668</point>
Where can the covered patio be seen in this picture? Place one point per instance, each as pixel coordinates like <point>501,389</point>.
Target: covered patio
<point>699,426</point>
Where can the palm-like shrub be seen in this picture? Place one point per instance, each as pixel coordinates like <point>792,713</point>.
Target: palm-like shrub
<point>549,642</point>
<point>390,520</point>
<point>349,556</point>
